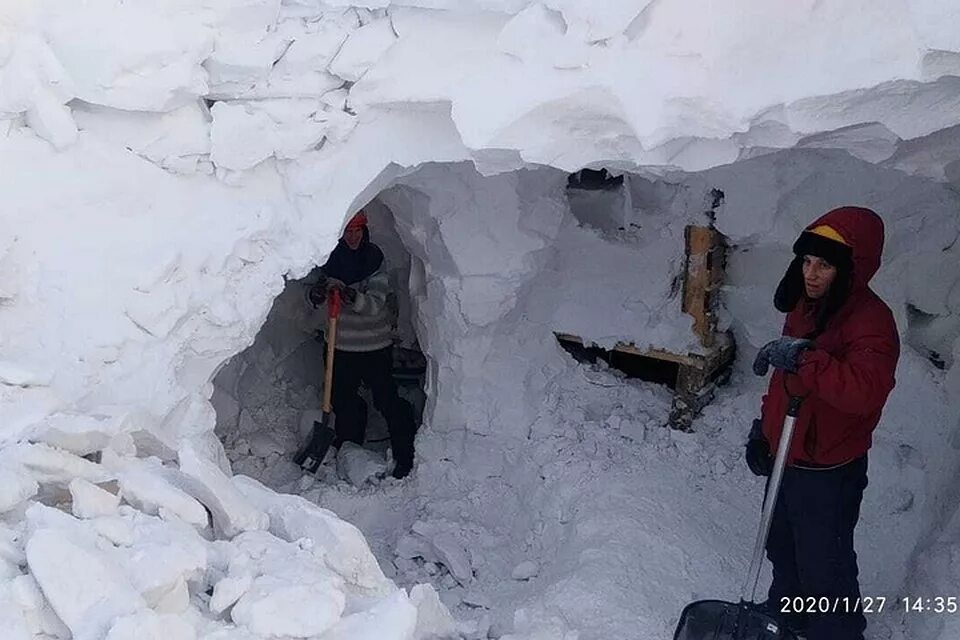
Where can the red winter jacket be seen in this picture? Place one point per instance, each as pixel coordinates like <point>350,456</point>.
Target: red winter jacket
<point>847,377</point>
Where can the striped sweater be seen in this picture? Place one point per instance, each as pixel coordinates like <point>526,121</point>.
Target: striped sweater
<point>366,325</point>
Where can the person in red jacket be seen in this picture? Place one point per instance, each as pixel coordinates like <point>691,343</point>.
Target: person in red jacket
<point>839,352</point>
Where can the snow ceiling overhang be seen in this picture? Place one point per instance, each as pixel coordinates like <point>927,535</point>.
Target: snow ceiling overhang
<point>273,120</point>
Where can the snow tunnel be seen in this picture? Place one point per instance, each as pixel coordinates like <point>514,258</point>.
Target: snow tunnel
<point>268,396</point>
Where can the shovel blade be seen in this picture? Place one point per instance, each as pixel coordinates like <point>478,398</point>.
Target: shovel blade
<point>311,456</point>
<point>720,620</point>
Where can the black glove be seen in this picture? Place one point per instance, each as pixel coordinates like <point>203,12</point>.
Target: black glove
<point>782,353</point>
<point>758,452</point>
<point>317,294</point>
<point>348,295</point>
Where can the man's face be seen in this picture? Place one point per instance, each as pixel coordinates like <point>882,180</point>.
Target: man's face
<point>818,275</point>
<point>353,237</point>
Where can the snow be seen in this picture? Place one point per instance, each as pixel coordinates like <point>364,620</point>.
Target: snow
<point>169,166</point>
<point>90,501</point>
<point>230,510</point>
<point>85,589</point>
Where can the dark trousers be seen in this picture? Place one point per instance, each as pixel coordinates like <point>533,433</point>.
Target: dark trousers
<point>373,368</point>
<point>811,548</point>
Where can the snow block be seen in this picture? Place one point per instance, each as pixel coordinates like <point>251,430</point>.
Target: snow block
<point>161,558</point>
<point>448,548</point>
<point>276,607</point>
<point>363,48</point>
<point>144,485</point>
<point>46,464</point>
<point>127,56</point>
<point>90,501</point>
<point>338,544</point>
<point>232,512</point>
<point>393,618</point>
<point>39,616</point>
<point>15,487</point>
<point>434,620</point>
<point>358,466</point>
<point>77,433</point>
<point>52,121</point>
<point>525,570</point>
<point>228,590</point>
<point>12,619</point>
<point>148,625</point>
<point>85,588</point>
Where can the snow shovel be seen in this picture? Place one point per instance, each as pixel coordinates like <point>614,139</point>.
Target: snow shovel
<point>310,457</point>
<point>745,620</point>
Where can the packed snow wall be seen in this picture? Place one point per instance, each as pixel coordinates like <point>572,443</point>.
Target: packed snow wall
<point>166,165</point>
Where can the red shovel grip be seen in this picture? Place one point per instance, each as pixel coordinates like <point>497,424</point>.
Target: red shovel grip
<point>335,303</point>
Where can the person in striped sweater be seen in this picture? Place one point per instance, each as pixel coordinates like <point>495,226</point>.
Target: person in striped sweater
<point>364,343</point>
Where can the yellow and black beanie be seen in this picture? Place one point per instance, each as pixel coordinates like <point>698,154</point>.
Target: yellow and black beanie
<point>824,242</point>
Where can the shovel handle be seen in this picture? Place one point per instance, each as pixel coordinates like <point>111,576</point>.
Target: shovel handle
<point>334,312</point>
<point>749,591</point>
<point>335,304</point>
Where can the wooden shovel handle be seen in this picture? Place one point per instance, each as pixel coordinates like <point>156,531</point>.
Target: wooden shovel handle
<point>328,373</point>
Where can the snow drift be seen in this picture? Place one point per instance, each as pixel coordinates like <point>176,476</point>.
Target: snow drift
<point>166,165</point>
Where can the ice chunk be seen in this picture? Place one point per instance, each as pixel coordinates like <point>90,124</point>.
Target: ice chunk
<point>162,138</point>
<point>448,548</point>
<point>37,612</point>
<point>525,570</point>
<point>358,465</point>
<point>90,501</point>
<point>12,620</point>
<point>144,485</point>
<point>232,511</point>
<point>338,544</point>
<point>228,590</point>
<point>47,464</point>
<point>52,121</point>
<point>263,444</point>
<point>85,588</point>
<point>128,56</point>
<point>433,619</point>
<point>242,136</point>
<point>393,618</point>
<point>363,48</point>
<point>161,558</point>
<point>872,142</point>
<point>276,607</point>
<point>15,487</point>
<point>148,625</point>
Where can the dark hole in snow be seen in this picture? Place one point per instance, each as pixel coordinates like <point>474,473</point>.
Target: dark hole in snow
<point>633,365</point>
<point>594,179</point>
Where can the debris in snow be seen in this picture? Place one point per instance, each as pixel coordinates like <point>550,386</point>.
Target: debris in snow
<point>526,570</point>
<point>90,501</point>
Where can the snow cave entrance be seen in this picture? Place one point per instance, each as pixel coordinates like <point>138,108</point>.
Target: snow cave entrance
<point>268,396</point>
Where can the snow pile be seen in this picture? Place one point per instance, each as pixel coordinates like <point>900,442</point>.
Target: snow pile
<point>140,557</point>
